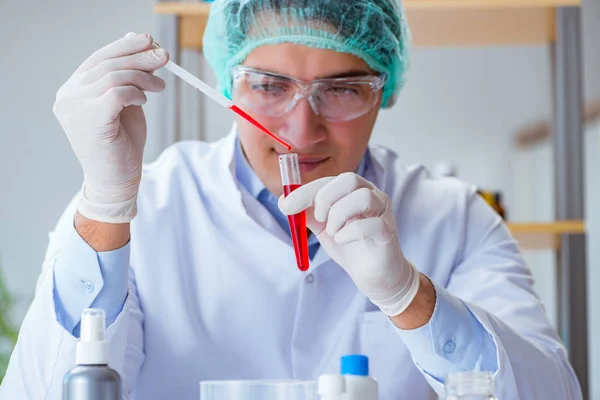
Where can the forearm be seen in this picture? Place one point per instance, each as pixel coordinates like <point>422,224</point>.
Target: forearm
<point>90,270</point>
<point>102,236</point>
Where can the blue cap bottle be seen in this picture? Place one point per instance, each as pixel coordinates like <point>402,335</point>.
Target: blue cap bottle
<point>354,364</point>
<point>359,385</point>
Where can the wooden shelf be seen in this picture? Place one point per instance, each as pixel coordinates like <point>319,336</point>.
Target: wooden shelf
<point>432,22</point>
<point>544,235</point>
<point>183,9</point>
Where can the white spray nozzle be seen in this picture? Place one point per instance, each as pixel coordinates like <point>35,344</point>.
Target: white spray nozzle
<point>92,349</point>
<point>92,324</point>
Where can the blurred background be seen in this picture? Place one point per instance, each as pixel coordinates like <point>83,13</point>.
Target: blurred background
<point>465,106</point>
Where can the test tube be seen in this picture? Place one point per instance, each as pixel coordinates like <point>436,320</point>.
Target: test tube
<point>290,179</point>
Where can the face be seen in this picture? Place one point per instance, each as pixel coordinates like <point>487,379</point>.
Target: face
<point>324,148</point>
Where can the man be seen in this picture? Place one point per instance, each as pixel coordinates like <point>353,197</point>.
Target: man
<point>190,256</point>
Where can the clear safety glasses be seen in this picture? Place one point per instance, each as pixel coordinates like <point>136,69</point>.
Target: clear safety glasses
<point>334,99</point>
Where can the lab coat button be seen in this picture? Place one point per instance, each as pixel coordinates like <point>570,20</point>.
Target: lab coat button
<point>310,278</point>
<point>89,286</point>
<point>450,346</point>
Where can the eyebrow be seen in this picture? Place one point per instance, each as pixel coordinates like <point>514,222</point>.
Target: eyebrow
<point>353,73</point>
<point>348,74</point>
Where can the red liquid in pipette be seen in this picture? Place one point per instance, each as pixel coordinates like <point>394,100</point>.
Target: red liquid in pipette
<point>298,231</point>
<point>254,122</point>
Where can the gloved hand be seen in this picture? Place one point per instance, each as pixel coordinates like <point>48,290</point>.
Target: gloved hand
<point>354,223</point>
<point>99,108</point>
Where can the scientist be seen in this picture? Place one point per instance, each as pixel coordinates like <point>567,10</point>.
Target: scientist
<point>191,258</point>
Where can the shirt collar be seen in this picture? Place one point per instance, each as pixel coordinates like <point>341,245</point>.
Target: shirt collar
<point>244,173</point>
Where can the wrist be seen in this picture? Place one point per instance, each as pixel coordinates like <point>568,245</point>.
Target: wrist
<point>101,236</point>
<point>419,311</point>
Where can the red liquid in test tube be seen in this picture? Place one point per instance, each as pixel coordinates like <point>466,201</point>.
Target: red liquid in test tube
<point>290,179</point>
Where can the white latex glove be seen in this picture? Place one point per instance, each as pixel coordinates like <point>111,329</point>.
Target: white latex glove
<point>99,108</point>
<point>355,224</point>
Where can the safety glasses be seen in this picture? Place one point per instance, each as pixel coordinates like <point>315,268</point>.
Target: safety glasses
<point>334,99</point>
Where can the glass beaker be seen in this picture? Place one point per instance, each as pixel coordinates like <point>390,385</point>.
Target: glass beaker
<point>258,390</point>
<point>470,386</point>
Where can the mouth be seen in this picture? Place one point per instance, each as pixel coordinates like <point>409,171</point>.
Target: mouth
<point>311,163</point>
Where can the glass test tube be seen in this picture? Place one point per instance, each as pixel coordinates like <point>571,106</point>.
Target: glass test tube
<point>291,180</point>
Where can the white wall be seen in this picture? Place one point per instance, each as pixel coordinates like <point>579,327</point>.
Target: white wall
<point>460,105</point>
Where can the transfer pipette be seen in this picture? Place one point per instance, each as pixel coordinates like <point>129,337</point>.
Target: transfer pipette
<point>219,98</point>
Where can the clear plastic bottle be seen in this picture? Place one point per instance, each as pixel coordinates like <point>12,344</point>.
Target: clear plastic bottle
<point>470,386</point>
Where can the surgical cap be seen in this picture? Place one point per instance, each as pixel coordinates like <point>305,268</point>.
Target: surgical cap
<point>374,30</point>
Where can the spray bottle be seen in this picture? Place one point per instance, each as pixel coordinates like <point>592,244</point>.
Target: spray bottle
<point>92,378</point>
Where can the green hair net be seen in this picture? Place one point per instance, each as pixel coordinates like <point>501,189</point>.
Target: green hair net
<point>374,30</point>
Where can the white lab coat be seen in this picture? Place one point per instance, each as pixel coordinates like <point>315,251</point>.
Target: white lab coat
<point>214,292</point>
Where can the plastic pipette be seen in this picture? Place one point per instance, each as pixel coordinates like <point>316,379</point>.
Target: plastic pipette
<point>219,98</point>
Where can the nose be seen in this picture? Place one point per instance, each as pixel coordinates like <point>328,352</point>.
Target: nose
<point>302,128</point>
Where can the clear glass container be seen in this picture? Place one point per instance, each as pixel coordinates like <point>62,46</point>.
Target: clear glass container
<point>258,390</point>
<point>470,386</point>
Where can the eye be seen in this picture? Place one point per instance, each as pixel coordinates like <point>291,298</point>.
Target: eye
<point>342,90</point>
<point>269,88</point>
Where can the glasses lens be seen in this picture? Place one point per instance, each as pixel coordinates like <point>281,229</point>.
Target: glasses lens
<point>339,101</point>
<point>264,94</point>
